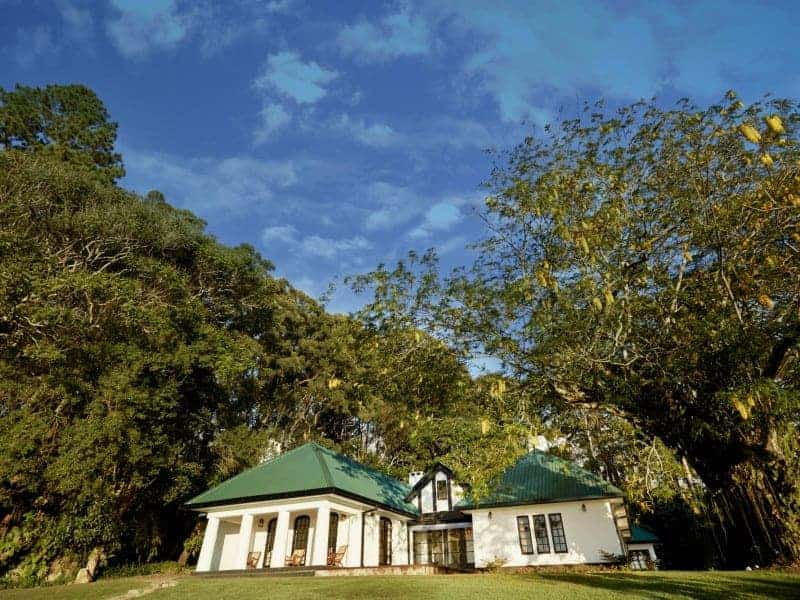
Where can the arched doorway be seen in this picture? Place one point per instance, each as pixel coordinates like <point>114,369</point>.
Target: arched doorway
<point>271,527</point>
<point>385,542</point>
<point>300,537</point>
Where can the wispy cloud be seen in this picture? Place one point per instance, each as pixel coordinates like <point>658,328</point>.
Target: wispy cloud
<point>139,27</point>
<point>313,245</point>
<point>440,217</point>
<point>234,185</point>
<point>287,74</point>
<point>388,205</point>
<point>395,35</point>
<point>31,44</point>
<point>375,135</point>
<point>272,118</point>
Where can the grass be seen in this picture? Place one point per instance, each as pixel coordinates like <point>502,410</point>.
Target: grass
<point>545,586</point>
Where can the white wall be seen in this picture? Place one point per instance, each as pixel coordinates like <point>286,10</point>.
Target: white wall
<point>588,533</point>
<point>227,546</point>
<point>427,494</point>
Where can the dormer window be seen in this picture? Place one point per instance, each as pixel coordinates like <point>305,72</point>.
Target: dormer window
<point>441,489</point>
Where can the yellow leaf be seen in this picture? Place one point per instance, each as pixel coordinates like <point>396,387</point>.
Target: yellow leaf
<point>334,383</point>
<point>609,297</point>
<point>766,160</point>
<point>750,132</point>
<point>598,304</point>
<point>485,426</point>
<point>775,124</point>
<point>742,408</point>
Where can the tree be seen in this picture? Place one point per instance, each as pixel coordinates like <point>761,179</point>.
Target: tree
<point>68,121</point>
<point>646,264</point>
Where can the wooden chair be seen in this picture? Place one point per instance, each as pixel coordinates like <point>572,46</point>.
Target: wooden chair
<point>335,557</point>
<point>297,559</point>
<point>252,559</point>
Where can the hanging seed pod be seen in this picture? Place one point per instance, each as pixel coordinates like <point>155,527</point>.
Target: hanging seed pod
<point>766,160</point>
<point>766,301</point>
<point>775,124</point>
<point>609,297</point>
<point>750,132</point>
<point>597,304</point>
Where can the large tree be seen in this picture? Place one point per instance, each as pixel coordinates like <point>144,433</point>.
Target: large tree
<point>646,262</point>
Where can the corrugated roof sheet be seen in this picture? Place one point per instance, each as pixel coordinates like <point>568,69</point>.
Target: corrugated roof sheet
<point>539,477</point>
<point>309,469</point>
<point>641,535</point>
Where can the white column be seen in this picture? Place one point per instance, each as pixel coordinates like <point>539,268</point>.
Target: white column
<point>281,533</point>
<point>353,557</point>
<point>320,547</point>
<point>245,537</point>
<point>209,543</point>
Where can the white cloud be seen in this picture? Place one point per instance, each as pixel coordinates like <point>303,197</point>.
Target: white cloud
<point>389,205</point>
<point>329,248</point>
<point>141,27</point>
<point>529,55</point>
<point>396,35</point>
<point>207,185</point>
<point>313,245</point>
<point>273,117</point>
<point>440,217</point>
<point>375,135</point>
<point>286,73</point>
<point>279,233</point>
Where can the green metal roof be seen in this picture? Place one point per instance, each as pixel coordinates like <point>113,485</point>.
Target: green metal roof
<point>539,477</point>
<point>307,470</point>
<point>640,535</point>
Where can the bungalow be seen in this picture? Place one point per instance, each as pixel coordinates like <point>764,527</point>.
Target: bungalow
<point>314,507</point>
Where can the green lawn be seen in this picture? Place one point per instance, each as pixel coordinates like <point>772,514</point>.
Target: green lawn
<point>727,585</point>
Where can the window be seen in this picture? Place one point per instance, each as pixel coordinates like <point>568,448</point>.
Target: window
<point>333,532</point>
<point>540,530</point>
<point>524,529</point>
<point>557,529</point>
<point>444,547</point>
<point>640,559</point>
<point>441,489</point>
<point>300,537</point>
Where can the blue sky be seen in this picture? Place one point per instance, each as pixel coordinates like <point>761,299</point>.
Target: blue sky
<point>336,135</point>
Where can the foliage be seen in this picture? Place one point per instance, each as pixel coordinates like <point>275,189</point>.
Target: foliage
<point>66,121</point>
<point>646,263</point>
<point>141,361</point>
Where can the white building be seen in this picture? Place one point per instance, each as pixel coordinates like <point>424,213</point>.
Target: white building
<point>313,507</point>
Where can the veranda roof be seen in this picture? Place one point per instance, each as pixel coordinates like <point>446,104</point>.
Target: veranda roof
<point>309,470</point>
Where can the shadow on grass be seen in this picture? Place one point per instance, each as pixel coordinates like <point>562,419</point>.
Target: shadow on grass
<point>708,586</point>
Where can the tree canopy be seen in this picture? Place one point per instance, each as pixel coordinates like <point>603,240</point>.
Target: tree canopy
<point>645,262</point>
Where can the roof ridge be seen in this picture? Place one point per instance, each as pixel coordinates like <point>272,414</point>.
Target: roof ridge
<point>326,473</point>
<point>227,482</point>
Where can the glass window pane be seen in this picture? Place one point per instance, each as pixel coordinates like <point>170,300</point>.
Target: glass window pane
<point>524,530</point>
<point>557,530</point>
<point>441,489</point>
<point>540,531</point>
